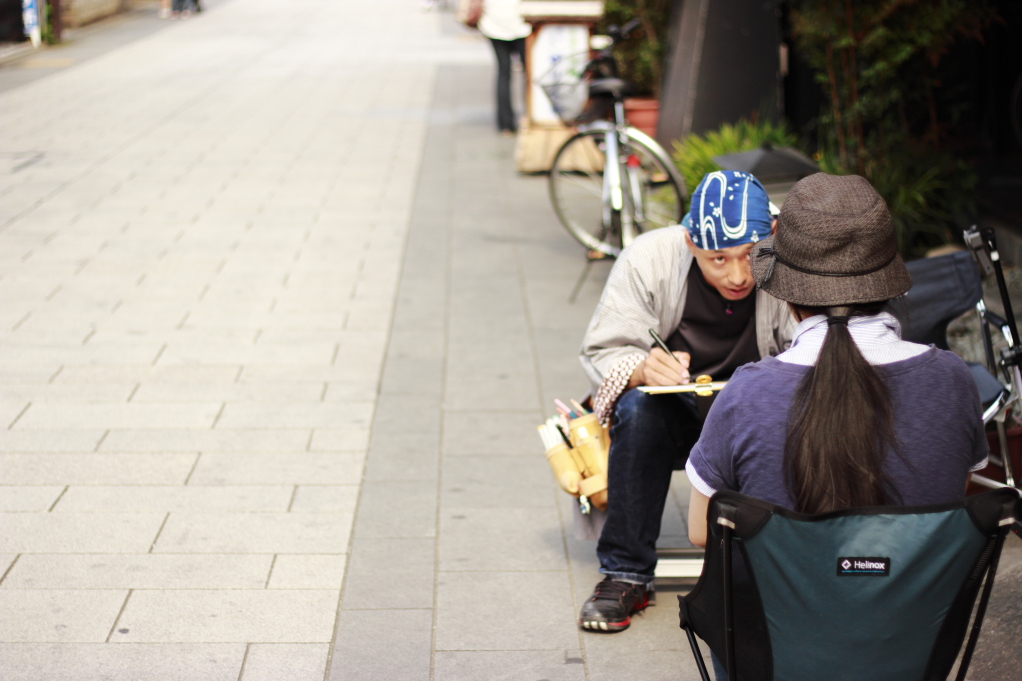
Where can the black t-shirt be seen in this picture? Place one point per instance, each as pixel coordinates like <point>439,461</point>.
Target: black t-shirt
<point>720,334</point>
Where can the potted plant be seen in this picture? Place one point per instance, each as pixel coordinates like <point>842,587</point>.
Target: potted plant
<point>641,57</point>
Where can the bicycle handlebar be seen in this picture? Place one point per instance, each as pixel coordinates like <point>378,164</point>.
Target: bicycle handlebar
<point>619,33</point>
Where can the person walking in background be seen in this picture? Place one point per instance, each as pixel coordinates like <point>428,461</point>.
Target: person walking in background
<point>502,23</point>
<point>182,9</point>
<point>178,9</point>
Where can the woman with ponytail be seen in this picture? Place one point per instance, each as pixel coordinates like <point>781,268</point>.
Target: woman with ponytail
<point>850,415</point>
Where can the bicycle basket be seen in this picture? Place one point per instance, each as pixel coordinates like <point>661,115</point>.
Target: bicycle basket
<point>565,86</point>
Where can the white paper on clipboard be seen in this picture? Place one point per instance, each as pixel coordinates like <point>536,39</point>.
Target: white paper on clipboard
<point>687,388</point>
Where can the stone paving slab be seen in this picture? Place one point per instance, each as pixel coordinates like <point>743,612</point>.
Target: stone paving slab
<point>503,665</point>
<point>221,441</point>
<point>234,615</point>
<point>58,615</point>
<point>190,499</point>
<point>381,644</point>
<point>276,661</point>
<point>37,499</point>
<point>320,498</point>
<point>484,610</point>
<point>122,662</point>
<point>254,533</point>
<point>86,468</point>
<point>138,571</point>
<point>403,565</point>
<point>295,571</point>
<point>79,532</point>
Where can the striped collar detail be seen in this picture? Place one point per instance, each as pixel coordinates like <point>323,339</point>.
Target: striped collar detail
<point>878,339</point>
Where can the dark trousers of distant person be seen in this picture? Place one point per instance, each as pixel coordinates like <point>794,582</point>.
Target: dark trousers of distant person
<point>504,49</point>
<point>183,5</point>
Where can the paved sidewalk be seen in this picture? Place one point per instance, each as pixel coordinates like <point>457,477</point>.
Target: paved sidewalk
<point>278,321</point>
<point>462,562</point>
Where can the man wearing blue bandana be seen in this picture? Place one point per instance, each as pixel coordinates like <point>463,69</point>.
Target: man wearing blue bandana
<point>713,321</point>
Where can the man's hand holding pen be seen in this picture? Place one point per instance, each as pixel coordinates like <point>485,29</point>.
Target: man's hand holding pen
<point>660,368</point>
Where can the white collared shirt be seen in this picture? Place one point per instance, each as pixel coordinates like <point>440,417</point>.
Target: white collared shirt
<point>878,339</point>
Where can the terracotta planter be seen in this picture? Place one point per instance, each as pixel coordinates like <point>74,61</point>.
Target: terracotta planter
<point>643,113</point>
<point>996,472</point>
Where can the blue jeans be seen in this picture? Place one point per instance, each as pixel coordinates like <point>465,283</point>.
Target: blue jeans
<point>650,435</point>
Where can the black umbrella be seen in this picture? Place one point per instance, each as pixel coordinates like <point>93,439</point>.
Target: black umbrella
<point>770,163</point>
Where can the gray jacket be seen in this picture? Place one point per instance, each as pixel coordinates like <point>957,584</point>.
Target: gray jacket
<point>646,290</point>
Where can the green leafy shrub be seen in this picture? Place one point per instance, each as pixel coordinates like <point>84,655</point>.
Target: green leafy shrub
<point>694,154</point>
<point>877,62</point>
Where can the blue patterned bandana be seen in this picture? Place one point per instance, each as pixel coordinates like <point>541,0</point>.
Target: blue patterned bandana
<point>729,208</point>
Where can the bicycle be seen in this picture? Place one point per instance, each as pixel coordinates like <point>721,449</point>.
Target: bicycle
<point>606,205</point>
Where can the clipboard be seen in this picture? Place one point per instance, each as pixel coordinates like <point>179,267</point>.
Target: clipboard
<point>687,388</point>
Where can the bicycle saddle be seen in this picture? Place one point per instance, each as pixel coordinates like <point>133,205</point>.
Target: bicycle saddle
<point>611,86</point>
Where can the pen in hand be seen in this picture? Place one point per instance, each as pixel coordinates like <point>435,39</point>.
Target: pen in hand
<point>663,346</point>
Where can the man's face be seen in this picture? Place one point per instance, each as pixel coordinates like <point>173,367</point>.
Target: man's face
<point>726,269</point>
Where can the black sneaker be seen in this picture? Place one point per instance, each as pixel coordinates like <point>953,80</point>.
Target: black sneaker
<point>612,604</point>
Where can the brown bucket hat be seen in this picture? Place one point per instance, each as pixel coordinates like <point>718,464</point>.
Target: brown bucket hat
<point>834,246</point>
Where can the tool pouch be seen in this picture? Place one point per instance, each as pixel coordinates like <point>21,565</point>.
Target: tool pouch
<point>582,468</point>
<point>567,467</point>
<point>592,442</point>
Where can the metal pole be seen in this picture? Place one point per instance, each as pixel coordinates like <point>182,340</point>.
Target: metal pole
<point>1002,287</point>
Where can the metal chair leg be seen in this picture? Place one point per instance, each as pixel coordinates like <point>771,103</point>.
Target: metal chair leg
<point>697,654</point>
<point>729,622</point>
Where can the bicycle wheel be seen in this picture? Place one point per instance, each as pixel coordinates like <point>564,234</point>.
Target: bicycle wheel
<point>652,194</point>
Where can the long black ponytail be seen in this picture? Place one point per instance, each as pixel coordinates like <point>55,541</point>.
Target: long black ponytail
<point>840,426</point>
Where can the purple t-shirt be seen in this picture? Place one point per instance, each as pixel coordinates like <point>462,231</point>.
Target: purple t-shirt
<point>937,415</point>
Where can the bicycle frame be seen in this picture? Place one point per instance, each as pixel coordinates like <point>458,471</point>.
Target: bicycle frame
<point>624,207</point>
<point>621,187</point>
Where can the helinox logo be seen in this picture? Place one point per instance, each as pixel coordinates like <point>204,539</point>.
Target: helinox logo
<point>852,566</point>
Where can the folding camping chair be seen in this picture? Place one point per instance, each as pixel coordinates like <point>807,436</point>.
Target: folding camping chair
<point>883,593</point>
<point>944,288</point>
